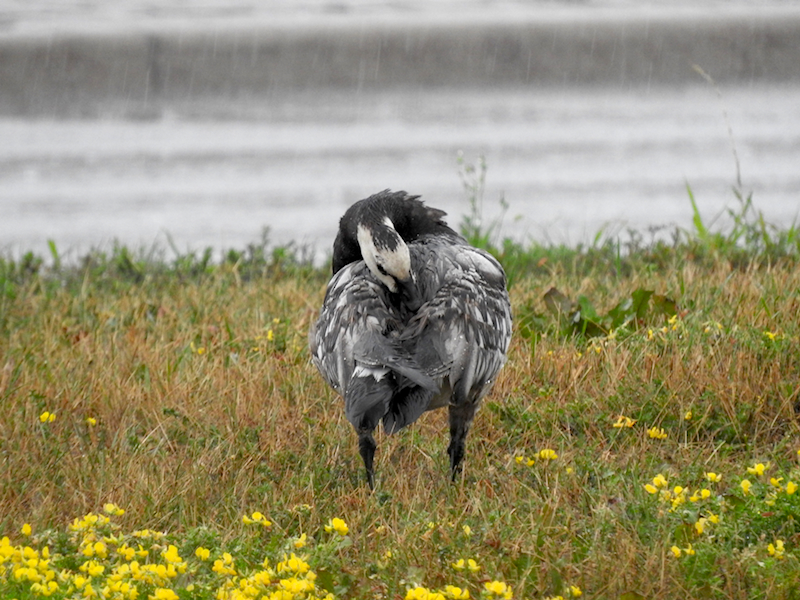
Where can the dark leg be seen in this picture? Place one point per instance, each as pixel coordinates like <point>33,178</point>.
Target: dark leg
<point>366,446</point>
<point>461,416</point>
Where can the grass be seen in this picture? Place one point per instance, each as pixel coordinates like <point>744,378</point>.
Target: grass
<point>179,391</point>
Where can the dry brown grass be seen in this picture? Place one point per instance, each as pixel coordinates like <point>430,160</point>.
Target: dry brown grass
<point>203,416</point>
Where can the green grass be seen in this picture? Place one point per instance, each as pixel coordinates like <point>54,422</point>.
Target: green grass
<point>183,393</point>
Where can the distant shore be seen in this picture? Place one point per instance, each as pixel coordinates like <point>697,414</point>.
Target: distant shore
<point>85,70</point>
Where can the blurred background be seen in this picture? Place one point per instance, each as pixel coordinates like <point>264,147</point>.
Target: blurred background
<point>192,124</point>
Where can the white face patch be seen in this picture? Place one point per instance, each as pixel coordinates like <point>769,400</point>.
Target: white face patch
<point>387,265</point>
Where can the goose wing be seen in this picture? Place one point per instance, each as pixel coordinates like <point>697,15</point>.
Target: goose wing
<point>460,336</point>
<point>356,348</point>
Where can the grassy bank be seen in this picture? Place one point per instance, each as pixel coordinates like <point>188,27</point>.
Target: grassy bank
<point>642,441</point>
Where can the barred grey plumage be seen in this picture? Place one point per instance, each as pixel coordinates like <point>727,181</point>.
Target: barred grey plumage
<point>414,318</point>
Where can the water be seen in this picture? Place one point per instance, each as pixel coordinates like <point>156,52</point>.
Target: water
<point>567,162</point>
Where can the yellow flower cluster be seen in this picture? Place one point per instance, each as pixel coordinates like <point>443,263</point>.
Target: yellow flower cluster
<point>548,454</point>
<point>337,525</point>
<point>678,552</point>
<point>20,564</point>
<point>469,564</point>
<point>768,489</point>
<point>545,454</point>
<point>47,417</point>
<point>256,518</point>
<point>679,495</point>
<point>623,421</point>
<point>450,591</point>
<point>776,483</point>
<point>758,469</point>
<point>776,550</point>
<point>657,433</point>
<point>492,590</point>
<point>497,589</point>
<point>113,565</point>
<point>292,579</point>
<point>572,591</point>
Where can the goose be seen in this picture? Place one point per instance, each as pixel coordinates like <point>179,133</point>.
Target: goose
<point>414,318</point>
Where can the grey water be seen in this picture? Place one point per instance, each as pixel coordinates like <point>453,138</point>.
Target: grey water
<point>566,162</point>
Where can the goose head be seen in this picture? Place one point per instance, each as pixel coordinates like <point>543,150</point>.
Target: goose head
<point>388,258</point>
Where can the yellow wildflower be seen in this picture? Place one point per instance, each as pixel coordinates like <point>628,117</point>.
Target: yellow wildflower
<point>676,551</point>
<point>47,417</point>
<point>456,593</point>
<point>688,415</point>
<point>202,553</point>
<point>689,550</point>
<point>126,552</point>
<point>575,591</point>
<point>337,525</point>
<point>660,481</point>
<point>758,469</point>
<point>293,564</point>
<point>164,594</point>
<point>45,589</point>
<point>467,530</point>
<point>700,525</point>
<point>100,550</point>
<point>547,454</point>
<point>498,589</point>
<point>745,486</point>
<point>417,593</point>
<point>92,568</point>
<point>776,549</point>
<point>300,542</point>
<point>26,529</point>
<point>713,477</point>
<point>171,555</point>
<point>623,421</point>
<point>91,421</point>
<point>524,459</point>
<point>256,518</point>
<point>657,433</point>
<point>473,566</point>
<point>112,509</point>
<point>224,565</point>
<point>791,488</point>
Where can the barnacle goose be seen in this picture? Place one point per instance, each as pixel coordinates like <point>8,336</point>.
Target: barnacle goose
<point>414,318</point>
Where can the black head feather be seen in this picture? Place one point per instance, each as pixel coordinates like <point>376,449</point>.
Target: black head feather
<point>410,216</point>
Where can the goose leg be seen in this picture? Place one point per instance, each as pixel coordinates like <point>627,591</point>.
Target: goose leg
<point>366,446</point>
<point>461,416</point>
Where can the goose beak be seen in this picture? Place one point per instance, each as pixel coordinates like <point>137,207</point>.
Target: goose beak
<point>409,292</point>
